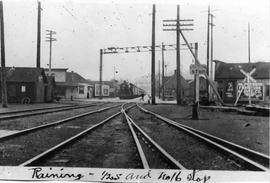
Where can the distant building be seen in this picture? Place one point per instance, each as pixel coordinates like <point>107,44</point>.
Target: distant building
<point>232,80</point>
<point>202,87</point>
<point>28,85</point>
<point>70,85</point>
<point>170,87</point>
<point>109,88</point>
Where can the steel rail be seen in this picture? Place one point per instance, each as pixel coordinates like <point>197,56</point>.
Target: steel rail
<point>171,159</point>
<point>42,112</point>
<point>230,148</point>
<point>260,157</point>
<point>35,109</point>
<point>22,132</point>
<point>136,140</point>
<point>68,141</point>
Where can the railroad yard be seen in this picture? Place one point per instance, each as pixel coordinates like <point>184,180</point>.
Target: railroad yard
<point>127,135</point>
<point>124,91</point>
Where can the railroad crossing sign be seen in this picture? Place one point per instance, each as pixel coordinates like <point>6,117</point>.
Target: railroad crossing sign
<point>248,86</point>
<point>197,69</point>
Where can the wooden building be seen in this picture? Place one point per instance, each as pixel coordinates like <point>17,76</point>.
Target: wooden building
<point>70,85</point>
<point>170,87</point>
<point>232,81</point>
<point>202,87</point>
<point>28,85</point>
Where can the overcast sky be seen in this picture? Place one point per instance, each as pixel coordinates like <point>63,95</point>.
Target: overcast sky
<point>83,27</point>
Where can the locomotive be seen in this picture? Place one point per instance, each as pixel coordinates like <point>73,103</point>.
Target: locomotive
<point>129,91</point>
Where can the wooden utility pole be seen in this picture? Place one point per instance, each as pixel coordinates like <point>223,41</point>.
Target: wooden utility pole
<point>50,39</point>
<point>211,58</point>
<point>195,112</point>
<point>38,34</point>
<point>177,27</point>
<point>207,50</point>
<point>153,89</point>
<point>178,74</point>
<point>159,79</point>
<point>3,62</point>
<point>248,43</point>
<point>100,75</point>
<point>163,82</point>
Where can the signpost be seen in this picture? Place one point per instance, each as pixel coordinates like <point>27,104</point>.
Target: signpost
<point>196,69</point>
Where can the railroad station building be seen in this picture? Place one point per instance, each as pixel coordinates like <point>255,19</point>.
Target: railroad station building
<point>232,80</point>
<point>70,85</point>
<point>28,85</point>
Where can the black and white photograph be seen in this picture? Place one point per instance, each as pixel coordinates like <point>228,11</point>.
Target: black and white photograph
<point>135,91</point>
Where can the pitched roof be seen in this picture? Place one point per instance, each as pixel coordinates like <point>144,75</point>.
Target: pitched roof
<point>232,70</point>
<point>73,79</point>
<point>24,74</point>
<point>170,82</point>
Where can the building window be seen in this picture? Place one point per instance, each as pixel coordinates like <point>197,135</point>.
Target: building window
<point>267,90</point>
<point>81,89</point>
<point>106,92</point>
<point>23,89</point>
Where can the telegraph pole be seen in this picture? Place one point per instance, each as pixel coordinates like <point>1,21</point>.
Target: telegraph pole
<point>248,43</point>
<point>50,39</point>
<point>178,28</point>
<point>158,78</point>
<point>163,82</point>
<point>38,34</point>
<point>153,92</point>
<point>211,56</point>
<point>195,112</point>
<point>207,52</point>
<point>178,74</point>
<point>210,26</point>
<point>3,62</point>
<point>100,75</point>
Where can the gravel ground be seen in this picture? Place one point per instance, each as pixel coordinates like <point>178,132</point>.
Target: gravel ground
<point>249,131</point>
<point>22,148</point>
<point>109,146</point>
<point>32,121</point>
<point>189,151</point>
<point>155,160</point>
<point>17,107</point>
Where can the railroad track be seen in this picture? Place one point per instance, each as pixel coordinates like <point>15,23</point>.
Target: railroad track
<point>20,145</point>
<point>246,158</point>
<point>39,111</point>
<point>52,153</point>
<point>91,141</point>
<point>151,154</point>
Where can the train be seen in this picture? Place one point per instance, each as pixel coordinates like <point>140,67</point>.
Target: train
<point>129,91</point>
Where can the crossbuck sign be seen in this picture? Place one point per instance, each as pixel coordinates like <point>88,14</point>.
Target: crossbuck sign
<point>249,86</point>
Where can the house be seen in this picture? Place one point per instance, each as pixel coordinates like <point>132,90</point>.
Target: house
<point>232,79</point>
<point>170,86</point>
<point>28,85</point>
<point>70,85</point>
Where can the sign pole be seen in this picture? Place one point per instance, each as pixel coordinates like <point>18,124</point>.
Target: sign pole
<point>100,75</point>
<point>195,111</point>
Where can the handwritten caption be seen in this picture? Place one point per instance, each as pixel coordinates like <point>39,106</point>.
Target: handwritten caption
<point>120,175</point>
